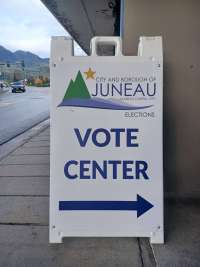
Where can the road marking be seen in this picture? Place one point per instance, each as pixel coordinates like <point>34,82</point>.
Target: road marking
<point>4,104</point>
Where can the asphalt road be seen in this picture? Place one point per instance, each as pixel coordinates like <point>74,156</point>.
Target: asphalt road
<point>19,112</point>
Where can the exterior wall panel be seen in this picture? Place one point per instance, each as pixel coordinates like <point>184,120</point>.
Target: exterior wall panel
<point>178,22</point>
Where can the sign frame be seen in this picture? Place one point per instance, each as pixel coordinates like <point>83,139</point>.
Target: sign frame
<point>86,131</point>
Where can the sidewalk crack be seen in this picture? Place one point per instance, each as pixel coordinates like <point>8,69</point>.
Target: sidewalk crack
<point>140,251</point>
<point>146,253</point>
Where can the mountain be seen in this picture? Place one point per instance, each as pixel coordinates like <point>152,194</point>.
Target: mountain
<point>19,55</point>
<point>77,88</point>
<point>5,54</point>
<point>29,58</point>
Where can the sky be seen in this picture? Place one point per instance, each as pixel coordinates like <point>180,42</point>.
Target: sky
<point>28,25</point>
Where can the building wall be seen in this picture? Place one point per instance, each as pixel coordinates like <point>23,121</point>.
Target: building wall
<point>178,21</point>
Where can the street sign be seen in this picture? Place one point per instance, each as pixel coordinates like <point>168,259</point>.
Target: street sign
<point>106,141</point>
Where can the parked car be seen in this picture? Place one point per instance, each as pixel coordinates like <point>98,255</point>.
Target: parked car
<point>18,87</point>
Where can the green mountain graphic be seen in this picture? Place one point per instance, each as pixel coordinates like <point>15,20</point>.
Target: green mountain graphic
<point>77,88</point>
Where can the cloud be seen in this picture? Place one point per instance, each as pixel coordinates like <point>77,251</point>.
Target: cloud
<point>28,25</point>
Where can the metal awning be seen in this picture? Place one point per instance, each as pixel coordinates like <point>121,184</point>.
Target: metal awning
<point>84,19</point>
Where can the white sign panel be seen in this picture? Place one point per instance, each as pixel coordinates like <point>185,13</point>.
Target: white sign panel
<point>106,142</point>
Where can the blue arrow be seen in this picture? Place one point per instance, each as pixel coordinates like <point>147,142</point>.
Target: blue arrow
<point>141,205</point>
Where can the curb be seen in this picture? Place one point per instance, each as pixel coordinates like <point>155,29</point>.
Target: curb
<point>16,142</point>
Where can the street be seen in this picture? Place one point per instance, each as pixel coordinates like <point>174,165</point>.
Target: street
<point>21,111</point>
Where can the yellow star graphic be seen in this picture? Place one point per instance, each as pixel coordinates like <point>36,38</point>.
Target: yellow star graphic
<point>90,74</point>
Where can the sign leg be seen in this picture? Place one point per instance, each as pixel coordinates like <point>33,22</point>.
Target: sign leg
<point>157,237</point>
<point>55,236</point>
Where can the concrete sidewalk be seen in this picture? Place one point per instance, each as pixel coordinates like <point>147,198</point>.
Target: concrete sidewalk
<point>24,200</point>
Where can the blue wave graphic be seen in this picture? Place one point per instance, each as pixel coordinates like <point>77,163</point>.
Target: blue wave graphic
<point>99,103</point>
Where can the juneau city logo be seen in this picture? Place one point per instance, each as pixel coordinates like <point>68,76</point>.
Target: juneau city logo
<point>77,95</point>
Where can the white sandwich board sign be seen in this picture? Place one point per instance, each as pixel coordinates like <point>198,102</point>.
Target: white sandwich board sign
<point>106,141</point>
